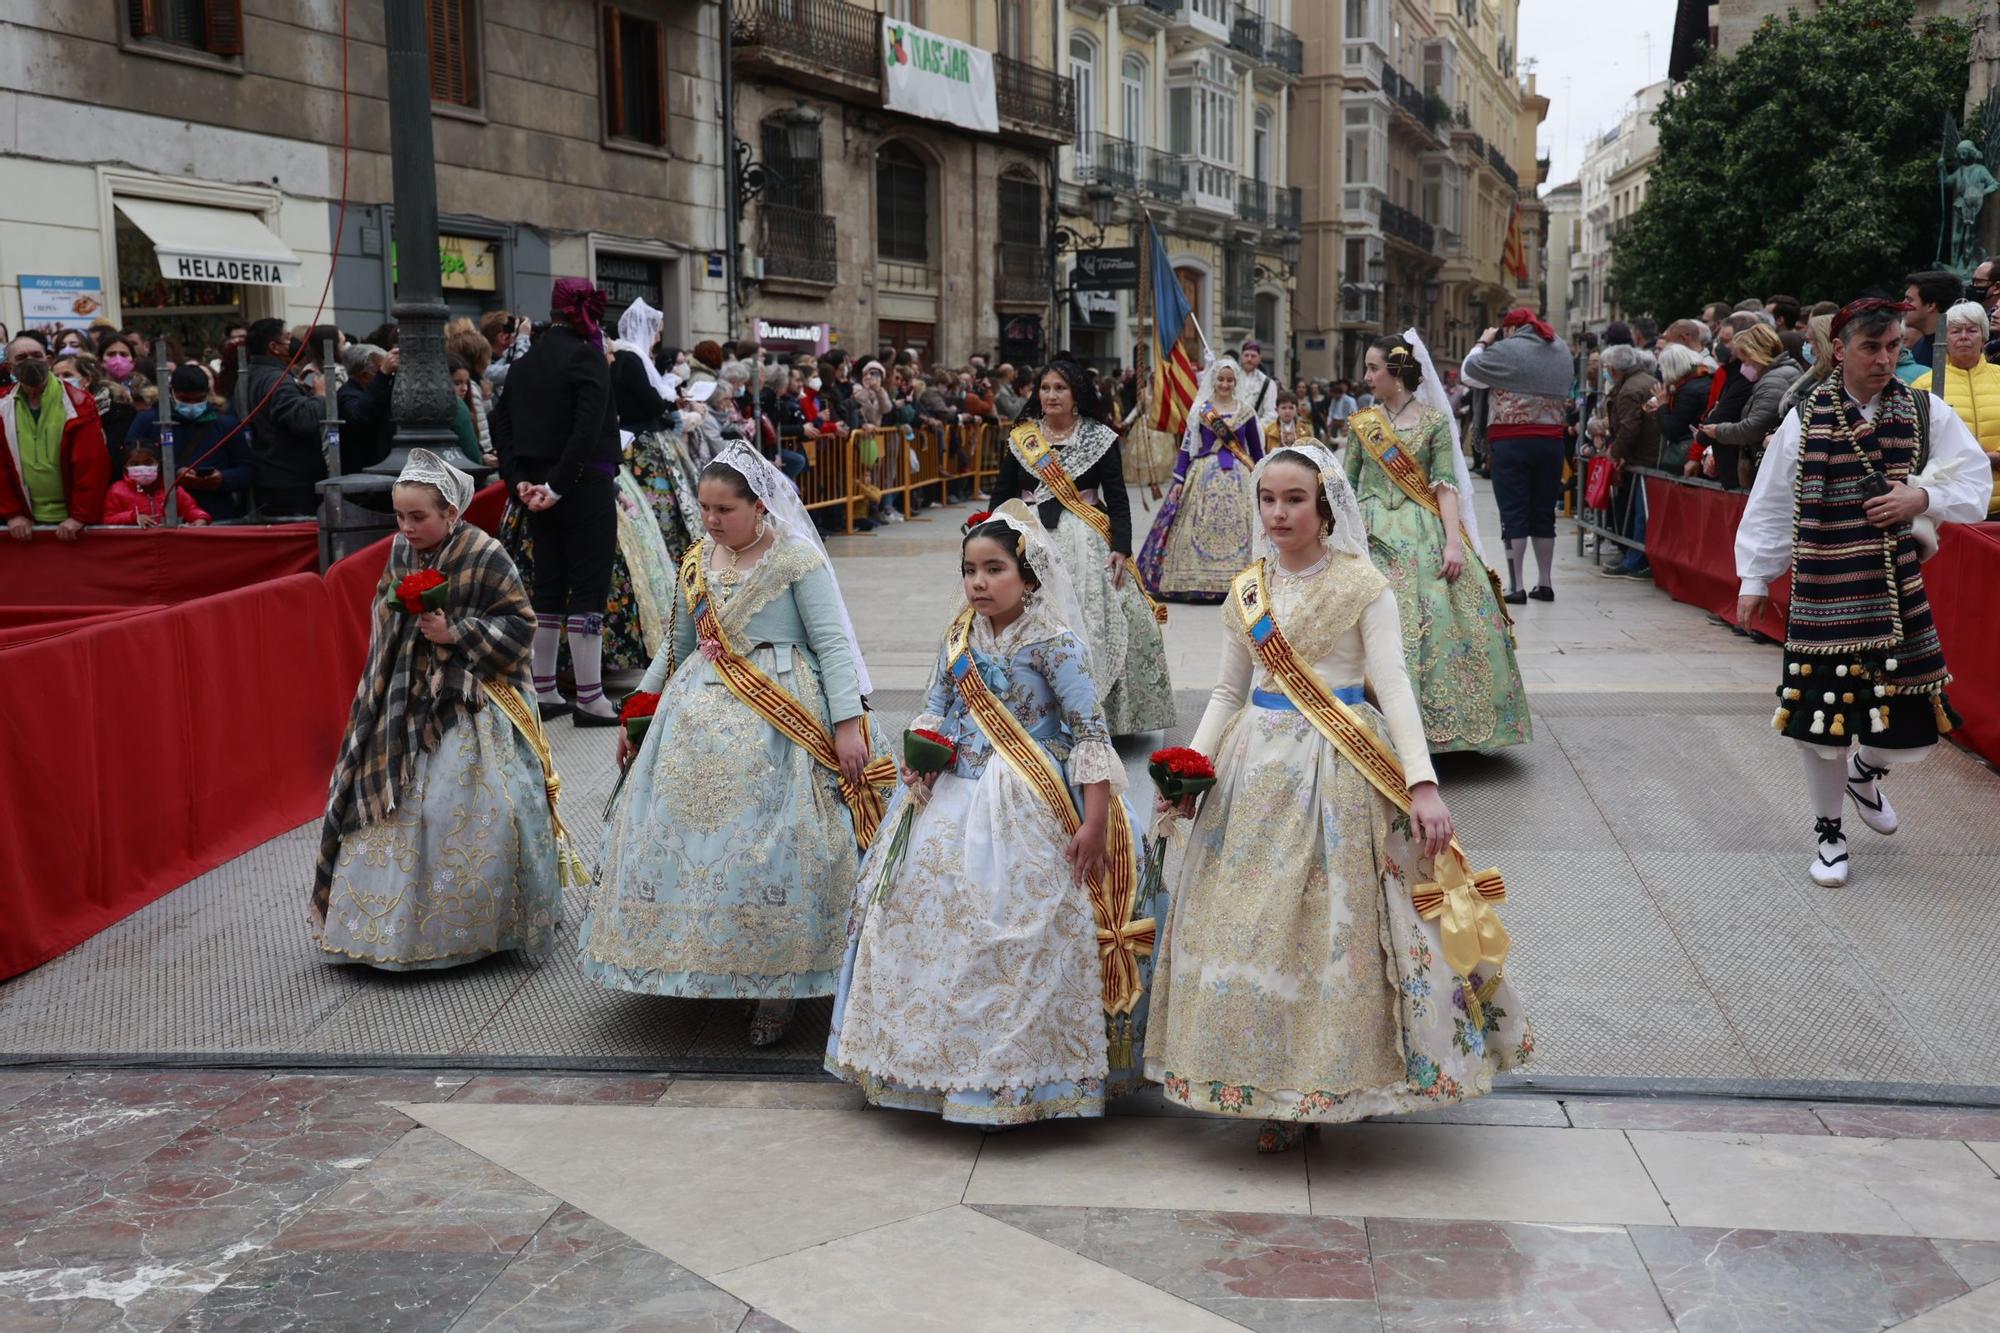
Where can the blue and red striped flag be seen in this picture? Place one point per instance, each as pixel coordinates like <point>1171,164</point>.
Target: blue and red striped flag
<point>1174,376</point>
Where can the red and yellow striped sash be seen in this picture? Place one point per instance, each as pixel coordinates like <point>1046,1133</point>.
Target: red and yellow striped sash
<point>1372,429</point>
<point>1121,941</point>
<point>1459,900</point>
<point>1040,458</point>
<point>772,702</point>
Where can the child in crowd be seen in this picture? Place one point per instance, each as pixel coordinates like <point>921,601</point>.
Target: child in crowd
<point>440,841</point>
<point>972,986</point>
<point>139,498</point>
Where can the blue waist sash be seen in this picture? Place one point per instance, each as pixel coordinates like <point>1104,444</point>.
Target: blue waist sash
<point>1278,702</point>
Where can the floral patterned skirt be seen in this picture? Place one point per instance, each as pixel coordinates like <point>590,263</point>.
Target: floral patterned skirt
<point>1296,980</point>
<point>971,984</point>
<point>465,866</point>
<point>1128,655</point>
<point>1200,543</point>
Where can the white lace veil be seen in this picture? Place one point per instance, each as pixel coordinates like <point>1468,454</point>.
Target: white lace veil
<point>1431,393</point>
<point>427,469</point>
<point>638,329</point>
<point>781,501</point>
<point>1056,601</point>
<point>1204,391</point>
<point>1350,533</point>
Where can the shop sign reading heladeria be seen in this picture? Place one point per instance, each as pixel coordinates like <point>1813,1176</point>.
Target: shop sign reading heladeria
<point>937,78</point>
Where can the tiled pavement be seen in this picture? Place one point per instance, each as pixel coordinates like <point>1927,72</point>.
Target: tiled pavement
<point>212,1201</point>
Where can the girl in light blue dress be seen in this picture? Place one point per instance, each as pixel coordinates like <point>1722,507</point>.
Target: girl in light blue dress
<point>972,986</point>
<point>730,856</point>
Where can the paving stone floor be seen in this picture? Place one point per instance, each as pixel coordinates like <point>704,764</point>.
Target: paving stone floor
<point>460,1201</point>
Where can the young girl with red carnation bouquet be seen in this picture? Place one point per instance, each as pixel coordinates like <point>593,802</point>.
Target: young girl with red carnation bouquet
<point>1330,955</point>
<point>440,841</point>
<point>972,985</point>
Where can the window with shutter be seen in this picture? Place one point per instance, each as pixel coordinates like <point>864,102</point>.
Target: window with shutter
<point>453,29</point>
<point>211,26</point>
<point>791,179</point>
<point>902,205</point>
<point>635,78</point>
<point>223,24</point>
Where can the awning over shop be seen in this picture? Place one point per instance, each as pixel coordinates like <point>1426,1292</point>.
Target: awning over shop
<point>201,244</point>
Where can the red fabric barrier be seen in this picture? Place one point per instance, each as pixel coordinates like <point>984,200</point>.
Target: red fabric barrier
<point>99,816</point>
<point>152,566</point>
<point>1691,545</point>
<point>1963,580</point>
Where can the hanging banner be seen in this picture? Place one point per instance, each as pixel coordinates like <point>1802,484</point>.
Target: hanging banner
<point>48,298</point>
<point>937,78</point>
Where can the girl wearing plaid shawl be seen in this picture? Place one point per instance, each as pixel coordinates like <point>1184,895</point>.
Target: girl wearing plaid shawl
<point>438,847</point>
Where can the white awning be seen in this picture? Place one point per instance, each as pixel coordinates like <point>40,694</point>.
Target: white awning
<point>201,244</point>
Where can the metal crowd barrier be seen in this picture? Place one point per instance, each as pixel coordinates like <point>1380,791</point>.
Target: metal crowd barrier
<point>904,465</point>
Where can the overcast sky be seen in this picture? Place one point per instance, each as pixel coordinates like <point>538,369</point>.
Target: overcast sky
<point>1590,57</point>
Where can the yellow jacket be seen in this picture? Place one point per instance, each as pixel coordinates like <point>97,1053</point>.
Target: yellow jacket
<point>1975,395</point>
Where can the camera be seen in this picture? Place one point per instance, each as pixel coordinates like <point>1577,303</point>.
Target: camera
<point>1874,486</point>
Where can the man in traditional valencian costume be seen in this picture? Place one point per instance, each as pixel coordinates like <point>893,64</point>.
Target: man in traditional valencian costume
<point>1847,499</point>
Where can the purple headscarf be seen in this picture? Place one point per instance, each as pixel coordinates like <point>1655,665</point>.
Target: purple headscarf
<point>578,303</point>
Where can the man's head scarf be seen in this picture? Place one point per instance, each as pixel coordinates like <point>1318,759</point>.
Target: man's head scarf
<point>1864,306</point>
<point>579,304</point>
<point>1520,315</point>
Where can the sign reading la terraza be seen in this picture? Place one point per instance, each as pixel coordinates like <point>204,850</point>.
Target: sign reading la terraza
<point>1114,270</point>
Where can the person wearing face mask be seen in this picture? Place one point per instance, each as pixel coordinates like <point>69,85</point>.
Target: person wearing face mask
<point>139,498</point>
<point>54,467</point>
<point>219,477</point>
<point>119,364</point>
<point>114,402</point>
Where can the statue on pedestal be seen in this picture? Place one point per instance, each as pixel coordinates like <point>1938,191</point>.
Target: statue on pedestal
<point>1965,181</point>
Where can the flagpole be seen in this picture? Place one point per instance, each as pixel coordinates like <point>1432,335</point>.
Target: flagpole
<point>1208,353</point>
<point>1145,312</point>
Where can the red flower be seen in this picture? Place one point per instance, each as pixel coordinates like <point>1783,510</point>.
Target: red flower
<point>933,737</point>
<point>1184,763</point>
<point>640,703</point>
<point>983,516</point>
<point>411,589</point>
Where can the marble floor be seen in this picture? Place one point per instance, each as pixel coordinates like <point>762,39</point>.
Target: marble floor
<point>611,1204</point>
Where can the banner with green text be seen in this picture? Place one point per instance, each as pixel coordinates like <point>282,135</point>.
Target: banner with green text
<point>937,78</point>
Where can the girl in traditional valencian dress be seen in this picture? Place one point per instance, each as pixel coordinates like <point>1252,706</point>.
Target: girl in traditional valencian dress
<point>1415,492</point>
<point>439,844</point>
<point>1067,464</point>
<point>973,986</point>
<point>729,857</point>
<point>1201,537</point>
<point>1300,977</point>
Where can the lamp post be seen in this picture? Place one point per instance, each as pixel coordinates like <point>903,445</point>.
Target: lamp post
<point>423,397</point>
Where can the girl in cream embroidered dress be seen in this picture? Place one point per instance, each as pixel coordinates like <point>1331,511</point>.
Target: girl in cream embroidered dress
<point>730,855</point>
<point>971,987</point>
<point>1296,980</point>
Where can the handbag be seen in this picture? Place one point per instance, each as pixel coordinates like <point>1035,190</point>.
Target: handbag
<point>1597,481</point>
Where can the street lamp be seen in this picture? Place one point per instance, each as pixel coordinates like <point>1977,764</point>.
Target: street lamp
<point>1431,291</point>
<point>802,132</point>
<point>1103,201</point>
<point>1288,248</point>
<point>1378,269</point>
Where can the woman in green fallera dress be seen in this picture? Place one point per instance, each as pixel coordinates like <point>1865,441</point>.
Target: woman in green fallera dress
<point>1457,640</point>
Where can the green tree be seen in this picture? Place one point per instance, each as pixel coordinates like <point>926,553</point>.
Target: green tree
<point>1805,163</point>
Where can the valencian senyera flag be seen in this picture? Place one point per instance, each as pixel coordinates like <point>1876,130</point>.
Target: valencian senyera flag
<point>1514,259</point>
<point>1174,375</point>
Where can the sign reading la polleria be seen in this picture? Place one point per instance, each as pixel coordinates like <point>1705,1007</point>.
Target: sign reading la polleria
<point>937,78</point>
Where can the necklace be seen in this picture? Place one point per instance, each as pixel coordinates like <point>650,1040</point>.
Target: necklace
<point>1396,413</point>
<point>1054,436</point>
<point>736,552</point>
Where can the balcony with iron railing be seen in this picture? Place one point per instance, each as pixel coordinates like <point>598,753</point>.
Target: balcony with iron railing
<point>1146,16</point>
<point>1239,301</point>
<point>1103,159</point>
<point>1162,176</point>
<point>1021,274</point>
<point>822,42</point>
<point>1498,161</point>
<point>1283,48</point>
<point>1253,201</point>
<point>1246,31</point>
<point>1037,100</point>
<point>800,245</point>
<point>1406,97</point>
<point>1405,226</point>
<point>1288,210</point>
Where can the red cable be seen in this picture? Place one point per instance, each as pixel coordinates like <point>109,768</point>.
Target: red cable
<point>333,262</point>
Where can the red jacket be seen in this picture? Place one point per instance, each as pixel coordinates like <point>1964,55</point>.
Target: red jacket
<point>86,463</point>
<point>124,504</point>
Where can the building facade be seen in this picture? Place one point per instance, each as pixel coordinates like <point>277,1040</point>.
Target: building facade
<point>1184,116</point>
<point>178,163</point>
<point>1616,168</point>
<point>873,228</point>
<point>1562,210</point>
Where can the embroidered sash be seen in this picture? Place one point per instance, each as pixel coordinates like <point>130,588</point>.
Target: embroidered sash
<point>1372,428</point>
<point>1040,457</point>
<point>772,702</point>
<point>527,720</point>
<point>1226,439</point>
<point>1459,900</point>
<point>1114,890</point>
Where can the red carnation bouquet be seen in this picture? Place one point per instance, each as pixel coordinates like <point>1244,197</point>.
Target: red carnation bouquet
<point>1178,773</point>
<point>635,715</point>
<point>418,592</point>
<point>925,753</point>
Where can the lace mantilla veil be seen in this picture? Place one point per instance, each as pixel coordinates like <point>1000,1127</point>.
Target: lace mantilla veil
<point>1349,535</point>
<point>426,468</point>
<point>1431,394</point>
<point>782,503</point>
